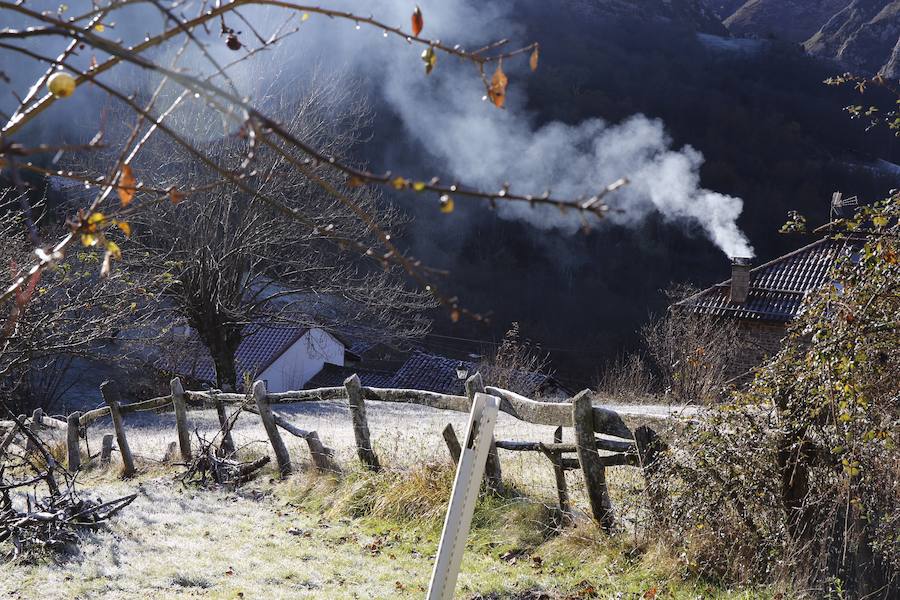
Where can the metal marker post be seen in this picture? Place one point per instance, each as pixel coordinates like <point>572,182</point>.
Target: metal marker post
<point>469,474</point>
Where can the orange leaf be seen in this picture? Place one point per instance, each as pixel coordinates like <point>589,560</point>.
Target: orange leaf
<point>125,227</point>
<point>533,61</point>
<point>417,21</point>
<point>454,315</point>
<point>127,185</point>
<point>497,91</point>
<point>175,196</point>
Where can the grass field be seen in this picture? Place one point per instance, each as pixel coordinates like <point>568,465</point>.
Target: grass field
<point>360,536</point>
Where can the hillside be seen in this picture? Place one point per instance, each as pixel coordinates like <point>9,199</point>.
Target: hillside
<point>695,14</point>
<point>861,35</point>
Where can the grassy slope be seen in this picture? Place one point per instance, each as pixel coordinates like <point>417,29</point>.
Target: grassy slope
<point>367,536</point>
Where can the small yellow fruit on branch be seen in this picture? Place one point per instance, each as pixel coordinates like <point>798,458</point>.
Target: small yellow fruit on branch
<point>61,85</point>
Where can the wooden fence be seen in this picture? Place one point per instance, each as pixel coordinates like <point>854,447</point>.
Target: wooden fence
<point>638,448</point>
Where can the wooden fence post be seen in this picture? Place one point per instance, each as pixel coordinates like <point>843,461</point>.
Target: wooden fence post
<point>493,475</point>
<point>562,490</point>
<point>11,435</point>
<point>227,446</point>
<point>649,446</point>
<point>36,417</point>
<point>72,445</point>
<point>321,457</point>
<point>360,425</point>
<point>181,424</point>
<point>268,419</point>
<point>106,449</point>
<point>452,443</point>
<point>594,471</point>
<point>110,394</point>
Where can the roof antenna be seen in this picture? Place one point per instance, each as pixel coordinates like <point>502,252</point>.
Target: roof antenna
<point>838,202</point>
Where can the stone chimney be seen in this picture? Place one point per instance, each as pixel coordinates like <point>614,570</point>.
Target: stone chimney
<point>740,279</point>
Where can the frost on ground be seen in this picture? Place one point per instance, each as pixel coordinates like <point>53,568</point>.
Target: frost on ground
<point>256,542</point>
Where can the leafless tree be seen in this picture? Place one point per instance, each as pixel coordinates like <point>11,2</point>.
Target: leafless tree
<point>691,352</point>
<point>517,365</point>
<point>229,263</point>
<point>70,311</point>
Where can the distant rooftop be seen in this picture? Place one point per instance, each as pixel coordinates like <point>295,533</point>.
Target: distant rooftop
<point>334,376</point>
<point>259,349</point>
<point>777,288</point>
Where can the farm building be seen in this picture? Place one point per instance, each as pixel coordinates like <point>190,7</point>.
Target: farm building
<point>284,356</point>
<point>764,300</point>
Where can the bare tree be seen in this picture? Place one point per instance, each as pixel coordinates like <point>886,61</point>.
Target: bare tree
<point>230,263</point>
<point>690,351</point>
<point>69,311</point>
<point>517,365</point>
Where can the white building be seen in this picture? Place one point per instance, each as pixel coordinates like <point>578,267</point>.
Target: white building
<point>285,357</point>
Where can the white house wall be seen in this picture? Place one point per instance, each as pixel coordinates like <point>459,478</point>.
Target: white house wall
<point>303,360</point>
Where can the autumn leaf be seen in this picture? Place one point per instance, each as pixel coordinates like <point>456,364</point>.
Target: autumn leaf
<point>355,181</point>
<point>113,249</point>
<point>417,21</point>
<point>446,204</point>
<point>125,227</point>
<point>533,61</point>
<point>454,315</point>
<point>419,186</point>
<point>175,196</point>
<point>429,57</point>
<point>399,183</point>
<point>497,90</point>
<point>94,220</point>
<point>127,185</point>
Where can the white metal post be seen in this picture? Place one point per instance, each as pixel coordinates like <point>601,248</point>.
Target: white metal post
<point>469,475</point>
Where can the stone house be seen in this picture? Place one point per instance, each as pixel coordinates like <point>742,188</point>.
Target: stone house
<point>764,300</point>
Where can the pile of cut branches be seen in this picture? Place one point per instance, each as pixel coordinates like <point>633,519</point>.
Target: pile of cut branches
<point>49,522</point>
<point>216,461</point>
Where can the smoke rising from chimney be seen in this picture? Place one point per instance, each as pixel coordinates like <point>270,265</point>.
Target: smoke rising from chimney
<point>481,145</point>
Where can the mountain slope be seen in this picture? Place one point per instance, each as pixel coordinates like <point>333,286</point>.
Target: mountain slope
<point>695,14</point>
<point>791,20</point>
<point>864,37</point>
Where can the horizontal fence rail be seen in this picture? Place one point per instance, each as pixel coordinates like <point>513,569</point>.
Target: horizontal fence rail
<point>635,449</point>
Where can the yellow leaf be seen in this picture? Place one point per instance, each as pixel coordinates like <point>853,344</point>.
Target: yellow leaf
<point>429,57</point>
<point>419,186</point>
<point>533,61</point>
<point>88,239</point>
<point>125,227</point>
<point>304,17</point>
<point>99,28</point>
<point>175,196</point>
<point>399,183</point>
<point>113,249</point>
<point>417,21</point>
<point>127,185</point>
<point>497,90</point>
<point>95,219</point>
<point>446,204</point>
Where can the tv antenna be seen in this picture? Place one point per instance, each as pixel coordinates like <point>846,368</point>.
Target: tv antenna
<point>838,202</point>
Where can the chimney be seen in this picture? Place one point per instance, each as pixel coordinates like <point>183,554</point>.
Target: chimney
<point>740,279</point>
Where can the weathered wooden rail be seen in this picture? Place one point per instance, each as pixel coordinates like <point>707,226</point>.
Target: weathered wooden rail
<point>638,449</point>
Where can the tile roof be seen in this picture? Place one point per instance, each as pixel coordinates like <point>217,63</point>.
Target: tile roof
<point>432,373</point>
<point>777,288</point>
<point>438,374</point>
<point>334,376</point>
<point>257,351</point>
